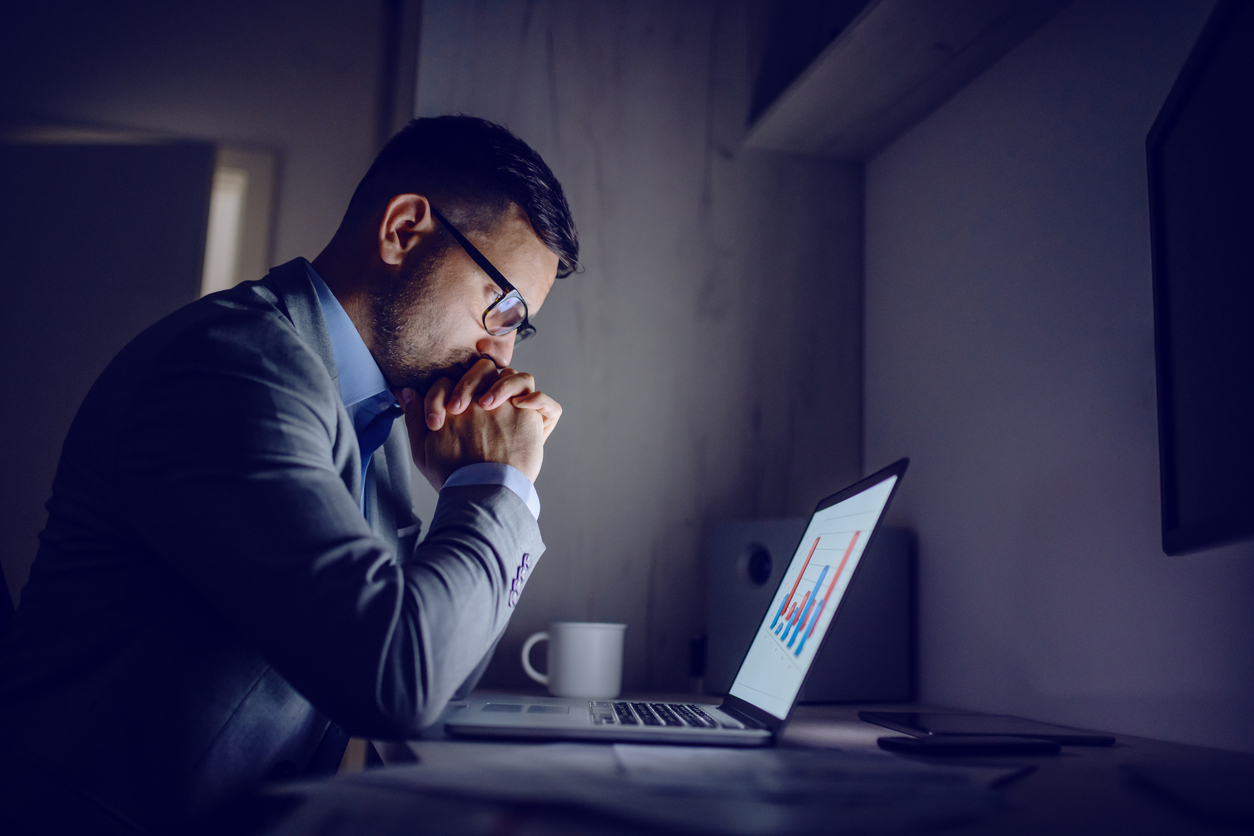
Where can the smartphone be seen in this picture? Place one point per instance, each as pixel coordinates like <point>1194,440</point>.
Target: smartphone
<point>974,744</point>
<point>921,724</point>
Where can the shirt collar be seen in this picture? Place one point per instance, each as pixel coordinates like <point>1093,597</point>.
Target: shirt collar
<point>362,385</point>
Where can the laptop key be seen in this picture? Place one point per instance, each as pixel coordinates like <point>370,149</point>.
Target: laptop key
<point>687,716</point>
<point>646,714</point>
<point>625,717</point>
<point>705,719</point>
<point>668,717</point>
<point>684,714</point>
<point>601,713</point>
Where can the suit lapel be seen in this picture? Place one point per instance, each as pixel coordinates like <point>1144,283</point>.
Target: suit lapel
<point>389,501</point>
<point>298,301</point>
<point>390,484</point>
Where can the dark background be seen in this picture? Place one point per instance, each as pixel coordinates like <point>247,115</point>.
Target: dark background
<point>757,329</point>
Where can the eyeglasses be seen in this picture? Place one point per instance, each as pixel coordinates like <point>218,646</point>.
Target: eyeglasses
<point>509,311</point>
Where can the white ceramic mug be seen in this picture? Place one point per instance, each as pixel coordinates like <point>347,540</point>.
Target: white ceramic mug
<point>585,659</point>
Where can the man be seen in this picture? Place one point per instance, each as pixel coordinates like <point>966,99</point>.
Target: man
<point>230,577</point>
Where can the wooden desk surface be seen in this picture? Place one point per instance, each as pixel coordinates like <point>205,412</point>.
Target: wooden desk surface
<point>1084,790</point>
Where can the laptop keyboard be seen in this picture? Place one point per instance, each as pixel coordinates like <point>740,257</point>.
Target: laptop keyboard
<point>650,714</point>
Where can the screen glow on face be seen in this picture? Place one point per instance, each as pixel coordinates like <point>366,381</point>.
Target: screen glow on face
<point>807,599</point>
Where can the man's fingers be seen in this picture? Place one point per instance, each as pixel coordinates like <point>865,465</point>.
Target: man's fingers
<point>471,382</point>
<point>435,404</point>
<point>549,409</point>
<point>506,388</point>
<point>414,419</point>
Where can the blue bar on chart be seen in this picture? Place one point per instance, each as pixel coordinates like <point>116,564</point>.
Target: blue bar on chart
<point>788,600</point>
<point>796,613</point>
<point>785,621</point>
<point>823,604</point>
<point>807,606</point>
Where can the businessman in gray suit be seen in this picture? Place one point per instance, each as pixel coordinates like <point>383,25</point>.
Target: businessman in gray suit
<point>230,580</point>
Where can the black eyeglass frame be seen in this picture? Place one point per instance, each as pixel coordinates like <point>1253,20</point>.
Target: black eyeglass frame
<point>523,330</point>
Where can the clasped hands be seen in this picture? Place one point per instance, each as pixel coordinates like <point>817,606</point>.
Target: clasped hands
<point>489,415</point>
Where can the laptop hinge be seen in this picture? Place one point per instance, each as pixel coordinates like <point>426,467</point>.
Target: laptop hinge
<point>748,721</point>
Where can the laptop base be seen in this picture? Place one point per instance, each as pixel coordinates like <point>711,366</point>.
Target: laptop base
<point>613,721</point>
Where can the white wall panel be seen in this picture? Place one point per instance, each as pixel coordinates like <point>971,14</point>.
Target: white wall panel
<point>708,359</point>
<point>1009,352</point>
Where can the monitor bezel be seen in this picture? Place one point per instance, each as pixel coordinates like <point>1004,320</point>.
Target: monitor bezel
<point>1179,538</point>
<point>761,715</point>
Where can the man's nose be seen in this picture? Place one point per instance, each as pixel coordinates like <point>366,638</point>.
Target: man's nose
<point>500,349</point>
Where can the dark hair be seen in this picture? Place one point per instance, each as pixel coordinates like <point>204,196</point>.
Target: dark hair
<point>472,170</point>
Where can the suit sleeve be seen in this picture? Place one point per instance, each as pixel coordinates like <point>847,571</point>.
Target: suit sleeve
<point>233,475</point>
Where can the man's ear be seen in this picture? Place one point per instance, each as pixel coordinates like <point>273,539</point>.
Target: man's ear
<point>407,220</point>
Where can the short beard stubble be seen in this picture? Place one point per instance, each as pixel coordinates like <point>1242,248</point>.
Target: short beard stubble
<point>408,336</point>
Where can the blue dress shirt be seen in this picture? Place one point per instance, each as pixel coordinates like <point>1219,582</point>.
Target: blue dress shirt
<point>366,394</point>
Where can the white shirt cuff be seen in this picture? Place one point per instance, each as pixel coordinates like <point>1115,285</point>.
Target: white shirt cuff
<point>495,473</point>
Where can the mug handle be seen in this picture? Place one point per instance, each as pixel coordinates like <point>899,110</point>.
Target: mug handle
<point>531,642</point>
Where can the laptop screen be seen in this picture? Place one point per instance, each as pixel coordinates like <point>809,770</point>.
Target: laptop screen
<point>807,599</point>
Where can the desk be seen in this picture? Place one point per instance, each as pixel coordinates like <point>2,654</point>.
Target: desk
<point>1084,790</point>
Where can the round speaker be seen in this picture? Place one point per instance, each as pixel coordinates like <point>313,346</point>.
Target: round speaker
<point>758,564</point>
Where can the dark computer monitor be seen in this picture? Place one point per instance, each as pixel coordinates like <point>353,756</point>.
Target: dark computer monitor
<point>6,605</point>
<point>1201,187</point>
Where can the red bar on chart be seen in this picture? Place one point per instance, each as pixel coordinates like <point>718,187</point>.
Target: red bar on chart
<point>796,613</point>
<point>788,600</point>
<point>806,610</point>
<point>826,595</point>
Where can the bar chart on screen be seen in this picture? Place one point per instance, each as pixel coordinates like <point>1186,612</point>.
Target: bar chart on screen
<point>811,592</point>
<point>808,598</point>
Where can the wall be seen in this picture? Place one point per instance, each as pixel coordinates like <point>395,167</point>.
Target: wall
<point>82,295</point>
<point>1009,352</point>
<point>301,79</point>
<point>708,360</point>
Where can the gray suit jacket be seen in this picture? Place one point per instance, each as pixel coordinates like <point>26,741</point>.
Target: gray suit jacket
<point>207,593</point>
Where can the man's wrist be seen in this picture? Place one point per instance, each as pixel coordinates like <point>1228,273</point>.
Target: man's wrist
<point>497,473</point>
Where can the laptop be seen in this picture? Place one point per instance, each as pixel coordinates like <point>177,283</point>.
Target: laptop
<point>765,690</point>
